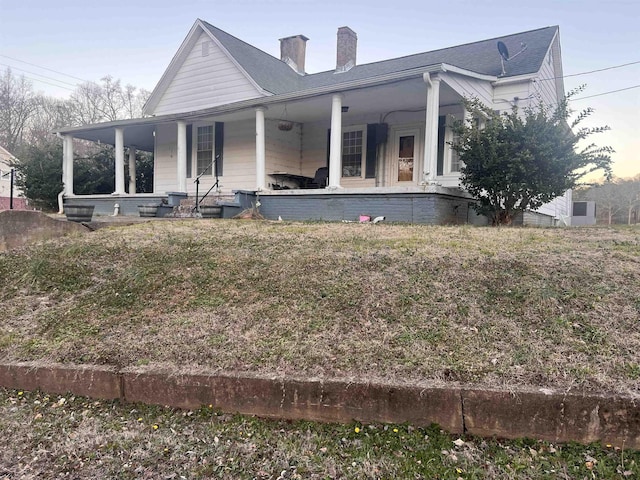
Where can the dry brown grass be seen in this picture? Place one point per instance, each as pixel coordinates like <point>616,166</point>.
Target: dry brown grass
<point>502,307</point>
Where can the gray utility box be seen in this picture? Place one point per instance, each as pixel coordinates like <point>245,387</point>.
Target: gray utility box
<point>175,198</point>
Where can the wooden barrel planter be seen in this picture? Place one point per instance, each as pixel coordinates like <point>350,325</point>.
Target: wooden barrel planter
<point>148,210</point>
<point>210,211</point>
<point>79,213</point>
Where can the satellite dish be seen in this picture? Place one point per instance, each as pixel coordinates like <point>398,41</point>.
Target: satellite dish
<point>504,54</point>
<point>504,51</point>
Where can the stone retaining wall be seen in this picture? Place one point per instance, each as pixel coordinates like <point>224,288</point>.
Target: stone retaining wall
<point>537,413</point>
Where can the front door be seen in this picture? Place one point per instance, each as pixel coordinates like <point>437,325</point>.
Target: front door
<point>404,157</point>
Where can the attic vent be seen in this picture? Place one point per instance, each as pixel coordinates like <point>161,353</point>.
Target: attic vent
<point>205,48</point>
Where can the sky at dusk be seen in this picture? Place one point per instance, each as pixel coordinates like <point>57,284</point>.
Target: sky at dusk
<point>134,41</point>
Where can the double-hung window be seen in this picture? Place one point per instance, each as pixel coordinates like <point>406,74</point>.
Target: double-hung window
<point>204,150</point>
<point>353,148</point>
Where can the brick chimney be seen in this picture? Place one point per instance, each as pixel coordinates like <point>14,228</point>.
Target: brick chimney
<point>292,52</point>
<point>347,43</point>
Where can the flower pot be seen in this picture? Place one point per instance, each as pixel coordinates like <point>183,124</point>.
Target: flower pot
<point>148,210</point>
<point>79,213</point>
<point>210,211</point>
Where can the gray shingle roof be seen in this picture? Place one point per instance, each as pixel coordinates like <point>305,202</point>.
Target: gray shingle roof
<point>480,57</point>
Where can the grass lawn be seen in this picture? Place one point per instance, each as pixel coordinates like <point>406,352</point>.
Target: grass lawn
<point>46,437</point>
<point>396,303</point>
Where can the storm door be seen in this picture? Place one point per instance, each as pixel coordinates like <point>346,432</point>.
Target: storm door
<point>404,160</point>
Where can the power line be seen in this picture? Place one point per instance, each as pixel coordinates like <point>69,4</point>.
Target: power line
<point>45,68</point>
<point>603,69</point>
<point>590,71</point>
<point>39,74</point>
<point>606,93</point>
<point>48,83</point>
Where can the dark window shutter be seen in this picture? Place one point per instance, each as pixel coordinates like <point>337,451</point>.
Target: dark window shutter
<point>219,147</point>
<point>189,149</point>
<point>328,147</point>
<point>372,150</point>
<point>441,126</point>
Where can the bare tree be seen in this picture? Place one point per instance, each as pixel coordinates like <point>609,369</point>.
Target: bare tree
<point>49,114</point>
<point>106,101</point>
<point>618,201</point>
<point>17,105</point>
<point>628,191</point>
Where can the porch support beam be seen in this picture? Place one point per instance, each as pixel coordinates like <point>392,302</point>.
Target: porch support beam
<point>132,170</point>
<point>335,142</point>
<point>181,172</point>
<point>67,164</point>
<point>430,163</point>
<point>119,147</point>
<point>261,168</point>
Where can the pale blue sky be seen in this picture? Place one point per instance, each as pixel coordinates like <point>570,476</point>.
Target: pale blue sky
<point>135,41</point>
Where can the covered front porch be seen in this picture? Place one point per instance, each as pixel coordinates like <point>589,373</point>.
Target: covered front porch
<point>363,147</point>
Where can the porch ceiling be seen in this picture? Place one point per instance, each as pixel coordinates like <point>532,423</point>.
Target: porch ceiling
<point>139,135</point>
<point>408,94</point>
<point>402,95</point>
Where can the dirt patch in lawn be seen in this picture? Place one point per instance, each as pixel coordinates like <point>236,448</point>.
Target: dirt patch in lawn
<point>499,307</point>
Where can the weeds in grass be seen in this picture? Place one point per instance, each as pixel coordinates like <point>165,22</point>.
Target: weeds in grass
<point>407,303</point>
<point>49,436</point>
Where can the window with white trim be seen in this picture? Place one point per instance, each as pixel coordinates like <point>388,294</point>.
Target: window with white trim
<point>204,150</point>
<point>452,163</point>
<point>354,141</point>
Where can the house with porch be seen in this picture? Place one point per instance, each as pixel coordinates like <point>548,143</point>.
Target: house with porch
<point>373,139</point>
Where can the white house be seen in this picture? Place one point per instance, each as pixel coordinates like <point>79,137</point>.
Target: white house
<point>10,195</point>
<point>359,139</point>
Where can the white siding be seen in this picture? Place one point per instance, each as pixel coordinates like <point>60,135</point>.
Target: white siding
<point>283,149</point>
<point>470,87</point>
<point>505,94</point>
<point>165,166</point>
<point>559,208</point>
<point>239,162</point>
<point>314,147</point>
<point>239,152</point>
<point>545,85</point>
<point>205,81</point>
<point>549,79</point>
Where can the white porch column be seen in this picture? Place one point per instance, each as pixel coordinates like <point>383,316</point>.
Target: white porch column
<point>132,170</point>
<point>182,156</point>
<point>430,164</point>
<point>335,142</point>
<point>119,162</point>
<point>67,164</point>
<point>261,168</point>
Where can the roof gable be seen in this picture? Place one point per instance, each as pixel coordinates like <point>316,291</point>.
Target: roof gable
<point>197,80</point>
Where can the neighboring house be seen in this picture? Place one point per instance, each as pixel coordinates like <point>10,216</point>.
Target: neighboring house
<point>584,213</point>
<point>19,202</point>
<point>373,137</point>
